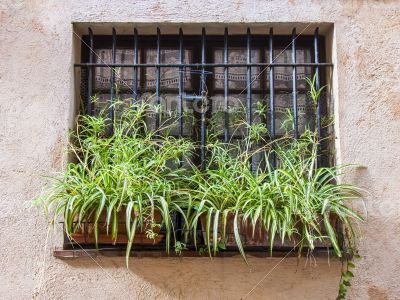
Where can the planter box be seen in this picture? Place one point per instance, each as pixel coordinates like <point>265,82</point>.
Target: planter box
<point>261,236</point>
<point>85,234</point>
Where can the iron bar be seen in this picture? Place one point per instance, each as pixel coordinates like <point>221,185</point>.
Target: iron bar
<point>90,75</point>
<point>158,79</point>
<point>135,61</point>
<point>248,87</point>
<point>271,91</point>
<point>316,59</point>
<point>248,77</point>
<point>199,65</point>
<point>181,88</point>
<point>203,101</point>
<point>294,82</point>
<point>317,86</point>
<point>226,88</point>
<point>181,83</point>
<point>112,82</point>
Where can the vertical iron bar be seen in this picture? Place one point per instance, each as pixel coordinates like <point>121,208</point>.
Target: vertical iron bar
<point>294,82</point>
<point>135,70</point>
<point>317,85</point>
<point>90,75</point>
<point>271,91</point>
<point>248,78</point>
<point>248,85</point>
<point>181,83</point>
<point>203,100</point>
<point>316,60</point>
<point>178,217</point>
<point>158,75</point>
<point>226,88</point>
<point>112,88</point>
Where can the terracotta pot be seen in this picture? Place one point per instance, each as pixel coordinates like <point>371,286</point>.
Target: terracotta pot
<point>85,235</point>
<point>333,219</point>
<point>260,237</point>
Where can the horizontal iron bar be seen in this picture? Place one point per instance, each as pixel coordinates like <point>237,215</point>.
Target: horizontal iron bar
<point>192,97</point>
<point>199,65</point>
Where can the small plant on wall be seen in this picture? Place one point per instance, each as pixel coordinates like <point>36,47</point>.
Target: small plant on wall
<point>128,186</point>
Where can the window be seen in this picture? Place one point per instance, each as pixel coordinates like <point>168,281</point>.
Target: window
<point>211,79</point>
<point>203,84</point>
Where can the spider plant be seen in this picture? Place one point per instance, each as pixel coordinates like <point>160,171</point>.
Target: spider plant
<point>311,194</point>
<point>133,171</point>
<point>227,180</point>
<point>217,190</point>
<point>294,199</point>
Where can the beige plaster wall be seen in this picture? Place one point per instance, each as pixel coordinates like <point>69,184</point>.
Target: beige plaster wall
<point>37,107</point>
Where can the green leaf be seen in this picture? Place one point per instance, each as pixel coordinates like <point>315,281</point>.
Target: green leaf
<point>350,264</point>
<point>237,238</point>
<point>332,235</point>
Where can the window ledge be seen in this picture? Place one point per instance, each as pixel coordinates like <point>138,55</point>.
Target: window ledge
<point>115,252</point>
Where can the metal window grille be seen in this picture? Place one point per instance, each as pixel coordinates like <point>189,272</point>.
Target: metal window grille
<point>225,74</point>
<point>208,71</point>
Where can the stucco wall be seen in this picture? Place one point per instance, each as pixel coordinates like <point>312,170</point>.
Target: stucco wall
<point>37,107</point>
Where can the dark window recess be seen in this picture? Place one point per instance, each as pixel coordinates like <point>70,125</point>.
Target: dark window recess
<point>229,75</point>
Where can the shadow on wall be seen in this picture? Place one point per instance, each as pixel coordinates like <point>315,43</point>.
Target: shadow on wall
<point>201,278</point>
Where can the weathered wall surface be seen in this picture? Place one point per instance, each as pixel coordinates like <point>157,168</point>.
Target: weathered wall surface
<point>37,107</point>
